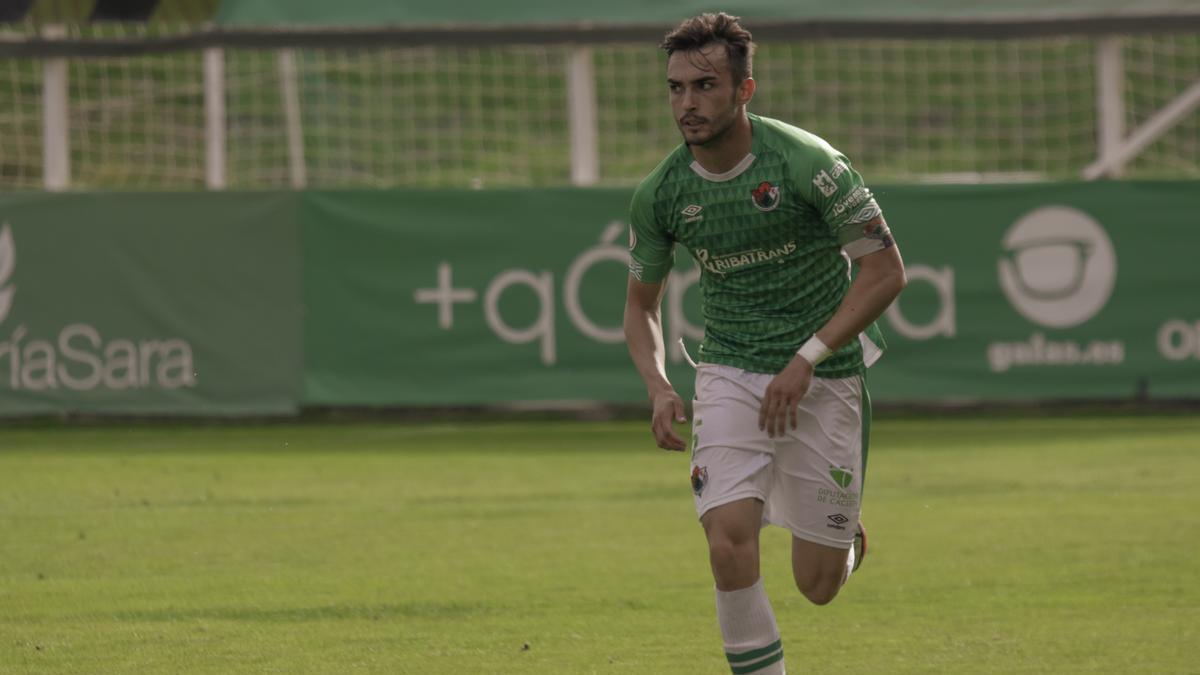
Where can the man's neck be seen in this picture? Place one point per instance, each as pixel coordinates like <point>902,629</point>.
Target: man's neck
<point>724,153</point>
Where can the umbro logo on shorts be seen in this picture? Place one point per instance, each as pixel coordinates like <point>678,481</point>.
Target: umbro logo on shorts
<point>838,521</point>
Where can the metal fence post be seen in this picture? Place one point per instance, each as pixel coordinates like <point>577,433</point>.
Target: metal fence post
<point>56,132</point>
<point>581,117</point>
<point>216,177</point>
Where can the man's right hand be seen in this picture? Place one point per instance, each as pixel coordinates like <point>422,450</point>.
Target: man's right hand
<point>668,410</point>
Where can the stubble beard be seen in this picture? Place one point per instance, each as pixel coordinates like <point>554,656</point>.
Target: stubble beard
<point>716,135</point>
<point>712,138</point>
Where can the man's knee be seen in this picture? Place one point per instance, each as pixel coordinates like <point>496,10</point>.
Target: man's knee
<point>727,552</point>
<point>732,532</point>
<point>819,588</point>
<point>734,561</point>
<point>820,591</point>
<point>818,569</point>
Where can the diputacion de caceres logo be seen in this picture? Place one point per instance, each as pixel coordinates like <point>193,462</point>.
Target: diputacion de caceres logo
<point>76,356</point>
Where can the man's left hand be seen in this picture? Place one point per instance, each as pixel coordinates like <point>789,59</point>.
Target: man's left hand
<point>782,397</point>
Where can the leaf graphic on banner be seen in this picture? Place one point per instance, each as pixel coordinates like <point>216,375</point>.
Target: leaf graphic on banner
<point>8,261</point>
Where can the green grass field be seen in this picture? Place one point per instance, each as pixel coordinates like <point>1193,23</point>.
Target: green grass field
<point>999,545</point>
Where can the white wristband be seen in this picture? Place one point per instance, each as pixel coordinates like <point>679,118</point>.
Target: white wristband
<point>814,351</point>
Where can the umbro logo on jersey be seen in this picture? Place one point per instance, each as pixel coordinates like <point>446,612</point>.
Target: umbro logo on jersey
<point>692,213</point>
<point>765,196</point>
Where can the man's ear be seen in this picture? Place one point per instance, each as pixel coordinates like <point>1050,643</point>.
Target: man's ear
<point>745,91</point>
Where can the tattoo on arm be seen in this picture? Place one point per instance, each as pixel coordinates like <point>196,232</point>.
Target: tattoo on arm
<point>877,229</point>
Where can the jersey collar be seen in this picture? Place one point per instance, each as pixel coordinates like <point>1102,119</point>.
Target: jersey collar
<point>728,175</point>
<point>741,166</point>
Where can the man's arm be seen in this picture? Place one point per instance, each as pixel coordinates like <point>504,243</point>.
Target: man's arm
<point>644,337</point>
<point>879,281</point>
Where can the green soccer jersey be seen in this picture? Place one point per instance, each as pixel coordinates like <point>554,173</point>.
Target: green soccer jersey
<point>768,236</point>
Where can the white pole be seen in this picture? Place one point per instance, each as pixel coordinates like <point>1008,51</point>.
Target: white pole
<point>214,118</point>
<point>581,117</point>
<point>56,139</point>
<point>291,114</point>
<point>1162,122</point>
<point>1110,101</point>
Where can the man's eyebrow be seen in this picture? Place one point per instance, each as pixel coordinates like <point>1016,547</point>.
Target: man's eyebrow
<point>698,80</point>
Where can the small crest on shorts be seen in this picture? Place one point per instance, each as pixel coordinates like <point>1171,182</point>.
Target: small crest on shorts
<point>699,479</point>
<point>841,475</point>
<point>765,196</point>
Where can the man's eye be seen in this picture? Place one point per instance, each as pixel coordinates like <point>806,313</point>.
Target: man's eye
<point>706,86</point>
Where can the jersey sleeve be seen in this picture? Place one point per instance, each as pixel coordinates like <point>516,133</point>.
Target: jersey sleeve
<point>832,186</point>
<point>651,249</point>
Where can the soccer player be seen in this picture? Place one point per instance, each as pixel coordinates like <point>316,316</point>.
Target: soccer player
<point>773,215</point>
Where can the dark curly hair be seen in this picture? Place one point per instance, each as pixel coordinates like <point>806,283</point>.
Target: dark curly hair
<point>700,31</point>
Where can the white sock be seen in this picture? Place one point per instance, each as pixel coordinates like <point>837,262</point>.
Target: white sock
<point>752,642</point>
<point>849,566</point>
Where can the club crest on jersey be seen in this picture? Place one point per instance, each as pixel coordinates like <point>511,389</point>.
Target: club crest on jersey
<point>699,479</point>
<point>765,196</point>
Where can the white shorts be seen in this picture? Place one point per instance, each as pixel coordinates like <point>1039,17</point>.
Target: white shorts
<point>809,480</point>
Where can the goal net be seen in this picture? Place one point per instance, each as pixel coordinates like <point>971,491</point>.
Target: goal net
<point>903,110</point>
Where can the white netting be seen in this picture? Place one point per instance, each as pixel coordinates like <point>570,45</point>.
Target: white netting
<point>20,123</point>
<point>257,148</point>
<point>1158,69</point>
<point>902,110</point>
<point>496,116</point>
<point>633,117</point>
<point>137,122</point>
<point>418,117</point>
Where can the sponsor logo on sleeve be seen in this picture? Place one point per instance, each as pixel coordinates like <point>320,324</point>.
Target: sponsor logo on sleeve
<point>825,184</point>
<point>856,197</point>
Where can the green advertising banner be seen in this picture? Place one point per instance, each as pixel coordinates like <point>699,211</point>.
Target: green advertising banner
<point>436,298</point>
<point>149,304</point>
<point>1045,292</point>
<point>1016,292</point>
<point>262,303</point>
